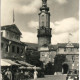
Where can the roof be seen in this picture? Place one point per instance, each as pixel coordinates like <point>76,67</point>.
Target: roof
<point>53,47</point>
<point>25,63</point>
<point>19,42</point>
<point>62,45</point>
<point>9,27</point>
<point>31,45</point>
<point>8,62</point>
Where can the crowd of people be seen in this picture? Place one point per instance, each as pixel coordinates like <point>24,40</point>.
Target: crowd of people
<point>18,75</point>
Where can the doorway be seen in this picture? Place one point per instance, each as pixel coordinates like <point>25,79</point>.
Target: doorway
<point>65,68</point>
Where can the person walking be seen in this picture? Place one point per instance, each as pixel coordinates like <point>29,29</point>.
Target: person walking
<point>35,74</point>
<point>17,75</point>
<point>21,75</point>
<point>26,75</point>
<point>8,74</point>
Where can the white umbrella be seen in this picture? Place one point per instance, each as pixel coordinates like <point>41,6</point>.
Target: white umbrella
<point>3,63</point>
<point>38,68</point>
<point>22,67</point>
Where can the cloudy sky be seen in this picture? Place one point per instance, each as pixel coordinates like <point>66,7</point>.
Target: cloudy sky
<point>64,18</point>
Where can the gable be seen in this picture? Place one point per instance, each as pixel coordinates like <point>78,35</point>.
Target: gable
<point>12,28</point>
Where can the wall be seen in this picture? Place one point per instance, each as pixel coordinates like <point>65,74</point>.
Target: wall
<point>11,54</point>
<point>67,50</point>
<point>73,59</point>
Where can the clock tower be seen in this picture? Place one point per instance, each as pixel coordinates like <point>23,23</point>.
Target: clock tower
<point>44,31</point>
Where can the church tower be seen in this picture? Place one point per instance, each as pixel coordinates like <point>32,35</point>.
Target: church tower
<point>44,31</point>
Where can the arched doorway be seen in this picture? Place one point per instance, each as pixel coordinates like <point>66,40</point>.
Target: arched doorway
<point>65,68</point>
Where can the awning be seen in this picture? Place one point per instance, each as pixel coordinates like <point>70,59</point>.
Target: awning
<point>25,63</point>
<point>10,62</point>
<point>3,63</point>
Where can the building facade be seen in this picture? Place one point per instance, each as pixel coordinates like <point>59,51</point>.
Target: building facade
<point>11,46</point>
<point>71,50</point>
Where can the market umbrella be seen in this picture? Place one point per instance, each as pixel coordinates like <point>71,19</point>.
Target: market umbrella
<point>10,62</point>
<point>4,63</point>
<point>37,68</point>
<point>22,67</point>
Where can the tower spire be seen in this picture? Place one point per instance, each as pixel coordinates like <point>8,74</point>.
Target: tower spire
<point>44,3</point>
<point>44,31</point>
<point>13,16</point>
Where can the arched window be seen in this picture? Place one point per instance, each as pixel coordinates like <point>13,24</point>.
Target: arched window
<point>13,48</point>
<point>17,49</point>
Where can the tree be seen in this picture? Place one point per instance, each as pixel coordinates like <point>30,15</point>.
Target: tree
<point>49,69</point>
<point>58,60</point>
<point>33,57</point>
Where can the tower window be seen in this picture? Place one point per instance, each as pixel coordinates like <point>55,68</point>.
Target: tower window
<point>42,17</point>
<point>13,48</point>
<point>42,23</point>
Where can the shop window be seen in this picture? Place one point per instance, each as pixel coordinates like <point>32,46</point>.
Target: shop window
<point>17,37</point>
<point>13,48</point>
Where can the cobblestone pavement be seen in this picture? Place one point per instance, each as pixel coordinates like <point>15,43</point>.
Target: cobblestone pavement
<point>53,77</point>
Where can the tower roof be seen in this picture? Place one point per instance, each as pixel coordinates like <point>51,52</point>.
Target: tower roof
<point>44,1</point>
<point>44,5</point>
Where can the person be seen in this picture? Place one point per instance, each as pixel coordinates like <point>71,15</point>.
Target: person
<point>5,77</point>
<point>8,74</point>
<point>26,75</point>
<point>17,75</point>
<point>1,75</point>
<point>21,75</point>
<point>35,74</point>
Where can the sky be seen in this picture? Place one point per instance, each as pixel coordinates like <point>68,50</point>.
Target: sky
<point>64,18</point>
